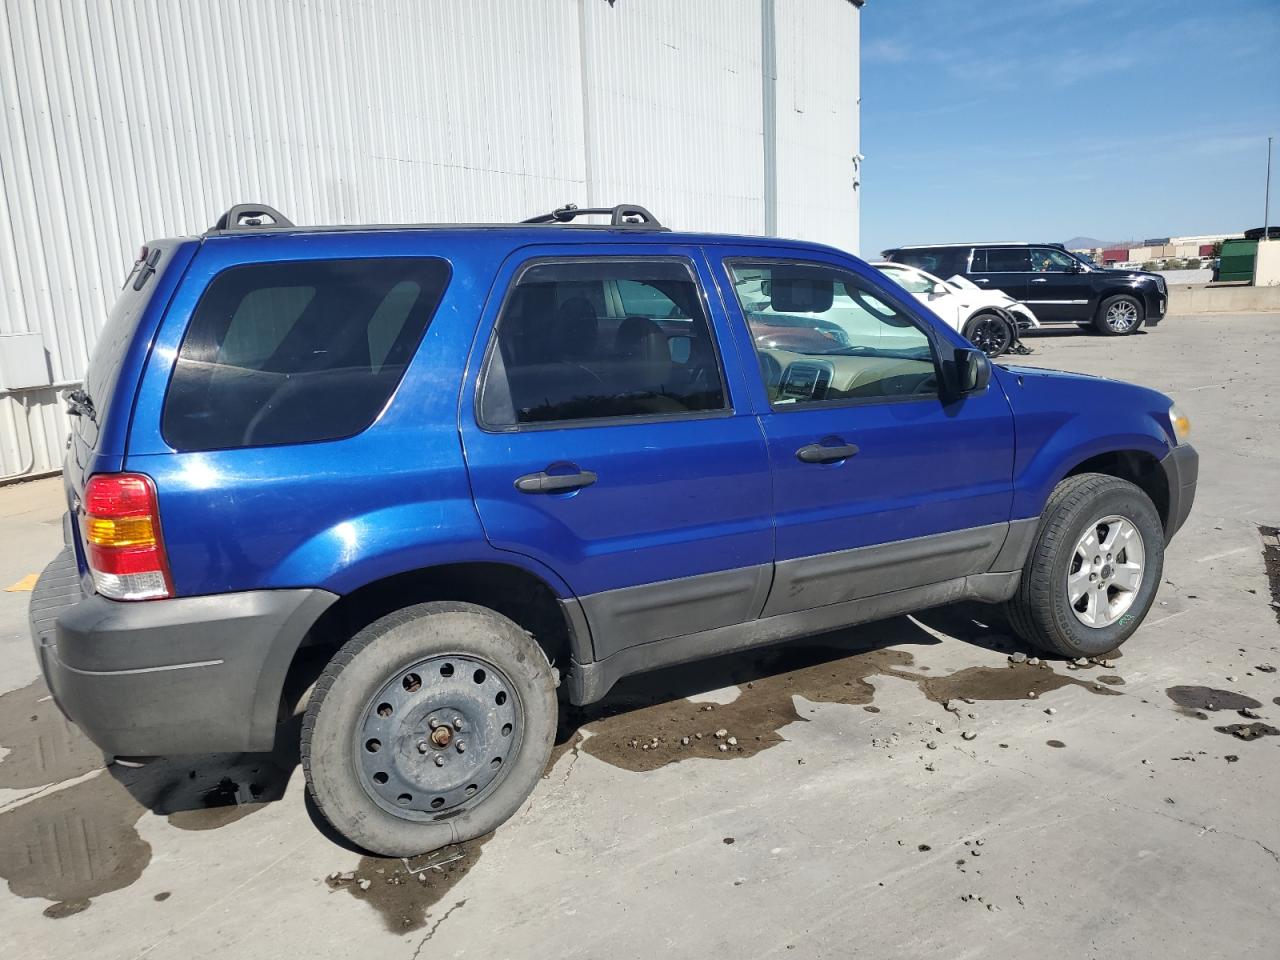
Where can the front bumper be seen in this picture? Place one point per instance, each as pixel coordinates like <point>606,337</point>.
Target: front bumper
<point>1157,303</point>
<point>157,677</point>
<point>1181,467</point>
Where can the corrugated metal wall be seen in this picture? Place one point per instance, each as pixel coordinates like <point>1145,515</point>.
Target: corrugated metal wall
<point>131,119</point>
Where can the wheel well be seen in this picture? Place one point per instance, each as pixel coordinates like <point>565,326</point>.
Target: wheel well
<point>1139,468</point>
<point>510,591</point>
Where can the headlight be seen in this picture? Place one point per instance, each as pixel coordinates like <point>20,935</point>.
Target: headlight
<point>1180,423</point>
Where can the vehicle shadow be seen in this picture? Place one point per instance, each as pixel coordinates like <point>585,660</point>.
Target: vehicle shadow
<point>1066,331</point>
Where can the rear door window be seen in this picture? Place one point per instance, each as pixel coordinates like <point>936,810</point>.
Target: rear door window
<point>298,352</point>
<point>601,339</point>
<point>1007,260</point>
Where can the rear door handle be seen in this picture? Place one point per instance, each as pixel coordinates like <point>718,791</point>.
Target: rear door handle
<point>543,482</point>
<point>982,280</point>
<point>817,453</point>
<point>1039,280</point>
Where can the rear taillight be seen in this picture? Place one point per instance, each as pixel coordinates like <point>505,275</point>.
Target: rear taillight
<point>121,532</point>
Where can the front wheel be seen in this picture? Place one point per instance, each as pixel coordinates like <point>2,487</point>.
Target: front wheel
<point>990,333</point>
<point>1093,570</point>
<point>1118,316</point>
<point>429,727</point>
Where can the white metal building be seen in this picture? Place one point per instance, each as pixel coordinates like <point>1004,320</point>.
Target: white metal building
<point>125,120</point>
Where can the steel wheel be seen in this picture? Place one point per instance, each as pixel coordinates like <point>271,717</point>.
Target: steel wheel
<point>1105,572</point>
<point>434,739</point>
<point>1121,316</point>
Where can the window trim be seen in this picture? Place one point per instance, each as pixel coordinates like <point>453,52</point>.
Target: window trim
<point>482,375</point>
<point>932,336</point>
<point>447,280</point>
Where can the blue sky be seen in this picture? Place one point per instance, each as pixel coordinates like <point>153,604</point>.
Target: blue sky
<point>1048,119</point>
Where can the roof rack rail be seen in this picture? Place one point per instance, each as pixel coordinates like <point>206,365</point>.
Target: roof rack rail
<point>249,216</point>
<point>623,215</point>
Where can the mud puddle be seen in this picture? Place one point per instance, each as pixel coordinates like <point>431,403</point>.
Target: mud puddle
<point>43,746</point>
<point>1193,699</point>
<point>75,843</point>
<point>1248,731</point>
<point>643,731</point>
<point>403,898</point>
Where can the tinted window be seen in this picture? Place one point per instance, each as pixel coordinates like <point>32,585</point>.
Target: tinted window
<point>825,334</point>
<point>295,352</point>
<point>942,262</point>
<point>1007,260</point>
<point>582,340</point>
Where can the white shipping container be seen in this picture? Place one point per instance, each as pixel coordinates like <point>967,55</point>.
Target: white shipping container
<point>135,120</point>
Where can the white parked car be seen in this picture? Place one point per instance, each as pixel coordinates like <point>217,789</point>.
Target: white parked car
<point>989,319</point>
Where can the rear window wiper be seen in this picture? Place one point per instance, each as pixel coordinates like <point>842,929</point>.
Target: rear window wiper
<point>79,404</point>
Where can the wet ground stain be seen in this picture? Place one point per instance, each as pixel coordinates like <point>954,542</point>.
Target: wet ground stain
<point>1271,560</point>
<point>43,746</point>
<point>644,731</point>
<point>75,843</point>
<point>1207,698</point>
<point>1055,743</point>
<point>403,899</point>
<point>1248,731</point>
<point>1112,681</point>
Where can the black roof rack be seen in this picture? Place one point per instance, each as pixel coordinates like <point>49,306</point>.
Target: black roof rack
<point>623,215</point>
<point>250,215</point>
<point>254,217</point>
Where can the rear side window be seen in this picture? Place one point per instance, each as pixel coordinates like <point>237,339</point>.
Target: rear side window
<point>601,339</point>
<point>1005,260</point>
<point>298,352</point>
<point>940,261</point>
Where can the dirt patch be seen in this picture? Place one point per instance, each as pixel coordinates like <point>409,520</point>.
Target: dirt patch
<point>1055,743</point>
<point>1207,698</point>
<point>1112,681</point>
<point>74,844</point>
<point>404,898</point>
<point>43,746</point>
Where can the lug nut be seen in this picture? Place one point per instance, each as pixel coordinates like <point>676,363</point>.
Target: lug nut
<point>439,759</point>
<point>423,746</point>
<point>462,746</point>
<point>457,723</point>
<point>1093,576</point>
<point>433,723</point>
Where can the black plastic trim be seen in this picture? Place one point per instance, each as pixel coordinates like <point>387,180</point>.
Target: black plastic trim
<point>1181,467</point>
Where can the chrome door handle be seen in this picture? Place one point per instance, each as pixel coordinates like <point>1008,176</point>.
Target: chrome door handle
<point>982,280</point>
<point>1039,280</point>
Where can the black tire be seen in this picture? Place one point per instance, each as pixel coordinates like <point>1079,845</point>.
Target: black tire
<point>1119,316</point>
<point>342,708</point>
<point>990,333</point>
<point>1040,611</point>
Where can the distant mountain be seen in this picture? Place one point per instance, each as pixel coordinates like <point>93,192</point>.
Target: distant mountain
<point>1081,243</point>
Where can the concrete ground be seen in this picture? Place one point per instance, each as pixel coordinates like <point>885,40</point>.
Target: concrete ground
<point>1104,816</point>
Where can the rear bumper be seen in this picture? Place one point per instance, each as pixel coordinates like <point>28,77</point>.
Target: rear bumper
<point>1181,470</point>
<point>188,675</point>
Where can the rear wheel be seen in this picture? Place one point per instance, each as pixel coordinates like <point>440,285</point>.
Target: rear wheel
<point>431,726</point>
<point>990,333</point>
<point>1119,316</point>
<point>1093,571</point>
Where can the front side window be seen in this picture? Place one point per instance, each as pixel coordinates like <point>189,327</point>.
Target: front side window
<point>823,334</point>
<point>600,339</point>
<point>299,351</point>
<point>1049,260</point>
<point>1005,260</point>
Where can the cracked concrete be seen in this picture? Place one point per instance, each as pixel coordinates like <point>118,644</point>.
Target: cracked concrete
<point>1136,837</point>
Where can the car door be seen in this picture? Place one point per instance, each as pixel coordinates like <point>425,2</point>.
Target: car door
<point>1002,268</point>
<point>1058,288</point>
<point>620,449</point>
<point>878,484</point>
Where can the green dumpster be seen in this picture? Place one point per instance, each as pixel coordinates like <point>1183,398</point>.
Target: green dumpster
<point>1237,260</point>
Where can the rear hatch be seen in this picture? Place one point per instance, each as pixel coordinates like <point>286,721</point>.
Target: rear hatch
<point>102,407</point>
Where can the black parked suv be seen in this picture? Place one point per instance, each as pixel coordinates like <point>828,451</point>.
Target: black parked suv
<point>1057,285</point>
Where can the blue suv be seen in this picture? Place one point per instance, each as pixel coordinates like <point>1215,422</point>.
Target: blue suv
<point>475,469</point>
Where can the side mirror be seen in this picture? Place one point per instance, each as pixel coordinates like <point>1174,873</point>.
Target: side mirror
<point>939,289</point>
<point>968,373</point>
<point>1076,267</point>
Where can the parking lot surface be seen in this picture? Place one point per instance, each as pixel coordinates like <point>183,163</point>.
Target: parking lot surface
<point>898,789</point>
